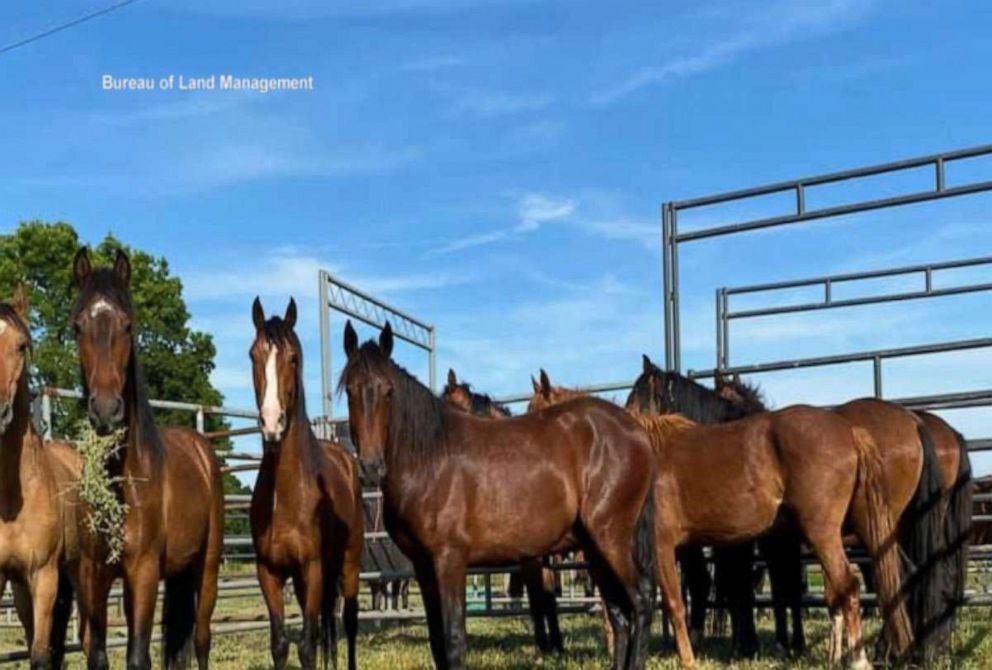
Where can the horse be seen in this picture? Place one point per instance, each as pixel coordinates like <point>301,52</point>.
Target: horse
<point>381,556</point>
<point>732,482</point>
<point>307,520</point>
<point>540,583</point>
<point>169,480</point>
<point>928,473</point>
<point>38,548</point>
<point>459,490</point>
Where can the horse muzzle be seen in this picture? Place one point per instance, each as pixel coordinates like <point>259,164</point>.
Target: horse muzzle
<point>106,413</point>
<point>373,470</point>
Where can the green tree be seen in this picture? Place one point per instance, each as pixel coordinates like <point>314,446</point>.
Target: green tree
<point>177,360</point>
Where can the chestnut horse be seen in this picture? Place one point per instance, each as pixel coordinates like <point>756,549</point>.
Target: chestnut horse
<point>733,482</point>
<point>540,583</point>
<point>38,547</point>
<point>460,491</point>
<point>307,521</point>
<point>928,472</point>
<point>169,480</point>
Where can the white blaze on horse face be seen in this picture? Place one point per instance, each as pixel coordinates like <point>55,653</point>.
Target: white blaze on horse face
<point>271,410</point>
<point>99,307</point>
<point>3,326</point>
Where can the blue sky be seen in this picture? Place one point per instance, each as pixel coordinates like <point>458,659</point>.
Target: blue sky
<point>496,167</point>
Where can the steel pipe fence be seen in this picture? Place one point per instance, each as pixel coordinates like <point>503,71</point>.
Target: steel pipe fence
<point>671,237</point>
<point>339,296</point>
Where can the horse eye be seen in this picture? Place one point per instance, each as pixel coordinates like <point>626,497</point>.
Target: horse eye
<point>23,348</point>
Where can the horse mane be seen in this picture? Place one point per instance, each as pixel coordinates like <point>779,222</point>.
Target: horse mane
<point>105,283</point>
<point>753,396</point>
<point>482,403</point>
<point>278,333</point>
<point>679,394</point>
<point>417,430</point>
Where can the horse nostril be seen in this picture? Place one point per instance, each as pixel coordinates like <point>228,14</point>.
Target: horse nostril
<point>282,419</point>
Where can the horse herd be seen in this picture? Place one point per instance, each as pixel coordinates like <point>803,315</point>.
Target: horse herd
<point>639,490</point>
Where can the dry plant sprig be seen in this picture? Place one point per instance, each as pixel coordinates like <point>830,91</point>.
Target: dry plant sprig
<point>105,510</point>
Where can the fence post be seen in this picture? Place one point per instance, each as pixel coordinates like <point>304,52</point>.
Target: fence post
<point>200,421</point>
<point>46,413</point>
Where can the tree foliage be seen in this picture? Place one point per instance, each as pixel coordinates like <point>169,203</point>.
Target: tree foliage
<point>177,360</point>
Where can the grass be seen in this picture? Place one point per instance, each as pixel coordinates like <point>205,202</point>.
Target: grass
<point>507,643</point>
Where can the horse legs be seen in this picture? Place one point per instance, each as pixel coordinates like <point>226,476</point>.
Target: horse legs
<point>427,579</point>
<point>551,582</point>
<point>530,570</point>
<point>842,597</point>
<point>309,586</point>
<point>140,596</point>
<point>671,598</point>
<point>351,569</point>
<point>94,587</point>
<point>449,566</point>
<point>44,584</point>
<point>22,604</point>
<point>272,591</point>
<point>206,600</point>
<point>697,576</point>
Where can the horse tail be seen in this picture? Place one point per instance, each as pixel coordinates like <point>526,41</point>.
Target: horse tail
<point>957,531</point>
<point>61,614</point>
<point>328,621</point>
<point>881,542</point>
<point>179,619</point>
<point>923,546</point>
<point>645,558</point>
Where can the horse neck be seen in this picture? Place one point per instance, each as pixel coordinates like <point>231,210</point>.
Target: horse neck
<point>20,446</point>
<point>140,451</point>
<point>292,464</point>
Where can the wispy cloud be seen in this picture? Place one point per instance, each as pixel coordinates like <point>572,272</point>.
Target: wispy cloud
<point>490,104</point>
<point>592,213</point>
<point>778,23</point>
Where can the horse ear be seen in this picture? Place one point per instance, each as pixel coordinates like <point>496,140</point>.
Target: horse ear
<point>19,301</point>
<point>81,267</point>
<point>290,317</point>
<point>537,387</point>
<point>386,340</point>
<point>350,339</point>
<point>648,365</point>
<point>258,314</point>
<point>452,379</point>
<point>545,383</point>
<point>122,267</point>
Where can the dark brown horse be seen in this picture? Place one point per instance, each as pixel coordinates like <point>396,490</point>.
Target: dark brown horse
<point>460,491</point>
<point>38,548</point>
<point>307,521</point>
<point>540,582</point>
<point>169,479</point>
<point>732,482</point>
<point>927,473</point>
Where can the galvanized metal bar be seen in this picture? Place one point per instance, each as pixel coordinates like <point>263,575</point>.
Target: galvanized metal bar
<point>676,365</point>
<point>432,360</point>
<point>828,212</point>
<point>666,282</point>
<point>857,302</point>
<point>876,364</point>
<point>719,329</point>
<point>828,178</point>
<point>858,276</point>
<point>326,355</point>
<point>818,361</point>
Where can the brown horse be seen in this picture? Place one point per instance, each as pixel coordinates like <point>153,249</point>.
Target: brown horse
<point>927,473</point>
<point>169,480</point>
<point>307,521</point>
<point>732,482</point>
<point>540,582</point>
<point>37,527</point>
<point>459,491</point>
